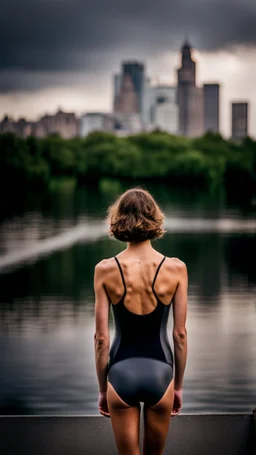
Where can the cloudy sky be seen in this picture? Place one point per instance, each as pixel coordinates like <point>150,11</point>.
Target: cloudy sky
<point>63,53</point>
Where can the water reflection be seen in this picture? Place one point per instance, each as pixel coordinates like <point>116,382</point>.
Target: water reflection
<point>27,218</point>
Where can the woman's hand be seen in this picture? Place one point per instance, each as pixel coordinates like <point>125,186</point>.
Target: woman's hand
<point>177,402</point>
<point>103,405</point>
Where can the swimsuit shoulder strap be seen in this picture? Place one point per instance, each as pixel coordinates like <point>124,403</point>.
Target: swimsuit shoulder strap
<point>121,272</point>
<point>122,275</point>
<point>157,270</point>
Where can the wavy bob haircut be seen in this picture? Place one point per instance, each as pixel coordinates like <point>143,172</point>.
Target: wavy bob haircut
<point>135,217</point>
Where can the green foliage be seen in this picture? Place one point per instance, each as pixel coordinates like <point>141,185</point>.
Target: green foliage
<point>203,162</point>
<point>240,171</point>
<point>59,155</point>
<point>21,162</point>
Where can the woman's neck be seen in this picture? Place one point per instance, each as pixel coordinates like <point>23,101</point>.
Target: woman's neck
<point>139,247</point>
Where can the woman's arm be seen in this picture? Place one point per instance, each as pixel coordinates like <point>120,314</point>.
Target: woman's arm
<point>101,335</point>
<point>179,325</point>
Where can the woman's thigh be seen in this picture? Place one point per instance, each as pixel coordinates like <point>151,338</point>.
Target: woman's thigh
<point>125,420</point>
<point>156,422</point>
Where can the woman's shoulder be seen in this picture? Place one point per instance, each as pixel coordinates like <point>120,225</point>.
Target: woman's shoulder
<point>105,265</point>
<point>175,264</point>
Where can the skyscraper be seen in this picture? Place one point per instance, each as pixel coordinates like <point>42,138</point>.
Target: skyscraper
<point>126,101</point>
<point>190,97</point>
<point>136,71</point>
<point>187,71</point>
<point>195,111</point>
<point>161,110</point>
<point>117,79</point>
<point>239,120</point>
<point>211,107</point>
<point>126,107</point>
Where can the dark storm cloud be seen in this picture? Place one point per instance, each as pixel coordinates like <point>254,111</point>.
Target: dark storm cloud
<point>66,35</point>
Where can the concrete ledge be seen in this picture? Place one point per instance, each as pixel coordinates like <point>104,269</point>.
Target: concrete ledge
<point>189,434</point>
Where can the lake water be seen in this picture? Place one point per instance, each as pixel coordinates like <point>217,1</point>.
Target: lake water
<point>49,246</point>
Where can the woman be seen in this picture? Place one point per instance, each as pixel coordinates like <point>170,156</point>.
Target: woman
<point>140,284</point>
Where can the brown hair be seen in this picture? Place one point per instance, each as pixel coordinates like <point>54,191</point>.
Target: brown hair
<point>135,217</point>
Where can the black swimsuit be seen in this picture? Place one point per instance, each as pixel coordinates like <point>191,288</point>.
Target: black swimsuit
<point>140,366</point>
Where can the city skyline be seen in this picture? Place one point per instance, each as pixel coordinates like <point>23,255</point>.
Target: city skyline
<point>65,54</point>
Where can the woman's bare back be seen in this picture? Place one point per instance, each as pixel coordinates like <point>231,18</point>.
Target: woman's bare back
<point>139,275</point>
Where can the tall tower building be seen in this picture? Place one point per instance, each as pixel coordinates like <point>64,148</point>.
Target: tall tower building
<point>117,79</point>
<point>136,71</point>
<point>127,100</point>
<point>126,107</point>
<point>187,71</point>
<point>190,97</point>
<point>211,107</point>
<point>239,120</point>
<point>195,111</point>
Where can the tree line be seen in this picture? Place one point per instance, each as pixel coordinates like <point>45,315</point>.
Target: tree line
<point>203,162</point>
